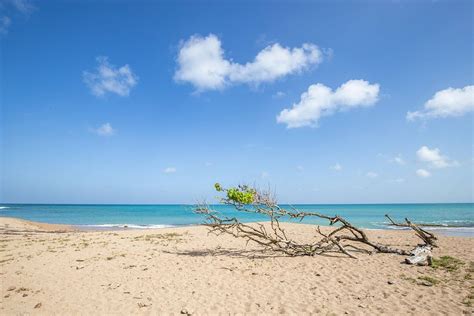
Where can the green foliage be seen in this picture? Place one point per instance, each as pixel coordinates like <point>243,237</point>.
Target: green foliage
<point>447,263</point>
<point>241,195</point>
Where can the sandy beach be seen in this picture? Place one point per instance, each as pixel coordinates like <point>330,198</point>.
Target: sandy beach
<point>54,269</point>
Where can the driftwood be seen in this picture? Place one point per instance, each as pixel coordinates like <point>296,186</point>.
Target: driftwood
<point>427,237</point>
<point>421,256</point>
<point>343,238</point>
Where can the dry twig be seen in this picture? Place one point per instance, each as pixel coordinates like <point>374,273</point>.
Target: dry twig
<point>273,237</point>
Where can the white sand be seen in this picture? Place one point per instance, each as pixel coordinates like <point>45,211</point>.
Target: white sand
<point>172,271</point>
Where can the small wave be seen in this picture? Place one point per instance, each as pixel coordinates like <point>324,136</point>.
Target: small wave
<point>432,224</point>
<point>390,227</point>
<point>122,226</point>
<point>467,228</point>
<point>439,227</point>
<point>3,207</point>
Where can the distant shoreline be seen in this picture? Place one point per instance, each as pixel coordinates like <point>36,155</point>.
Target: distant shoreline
<point>158,216</point>
<point>214,204</point>
<point>453,231</point>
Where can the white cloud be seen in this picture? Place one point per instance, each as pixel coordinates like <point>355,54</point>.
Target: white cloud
<point>109,78</point>
<point>275,62</point>
<point>264,175</point>
<point>336,167</point>
<point>398,160</point>
<point>434,158</point>
<point>446,103</point>
<point>422,173</point>
<point>169,170</point>
<point>299,168</point>
<point>372,175</point>
<point>202,63</point>
<point>105,130</point>
<point>208,164</point>
<point>321,100</point>
<point>399,180</point>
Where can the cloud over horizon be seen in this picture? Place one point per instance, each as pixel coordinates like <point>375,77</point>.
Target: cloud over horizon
<point>449,102</point>
<point>434,158</point>
<point>422,173</point>
<point>202,63</point>
<point>319,101</point>
<point>110,79</point>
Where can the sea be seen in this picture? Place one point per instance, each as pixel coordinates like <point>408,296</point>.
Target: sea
<point>449,218</point>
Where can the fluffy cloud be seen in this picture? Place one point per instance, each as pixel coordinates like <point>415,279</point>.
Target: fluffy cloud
<point>422,173</point>
<point>202,63</point>
<point>321,100</point>
<point>434,158</point>
<point>105,130</point>
<point>109,78</point>
<point>169,170</point>
<point>446,103</point>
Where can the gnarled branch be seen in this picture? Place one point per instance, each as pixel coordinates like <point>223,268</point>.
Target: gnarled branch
<point>342,238</point>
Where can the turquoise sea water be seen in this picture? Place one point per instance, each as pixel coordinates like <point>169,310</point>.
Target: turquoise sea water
<point>459,216</point>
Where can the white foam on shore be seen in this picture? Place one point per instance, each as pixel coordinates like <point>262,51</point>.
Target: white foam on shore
<point>431,227</point>
<point>122,226</point>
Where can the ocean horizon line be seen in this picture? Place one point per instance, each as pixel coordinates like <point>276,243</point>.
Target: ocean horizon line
<point>194,204</point>
<point>363,215</point>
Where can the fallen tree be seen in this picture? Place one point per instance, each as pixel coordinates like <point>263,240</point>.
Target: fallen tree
<point>343,237</point>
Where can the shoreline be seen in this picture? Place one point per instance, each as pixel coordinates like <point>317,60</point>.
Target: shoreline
<point>36,226</point>
<point>461,231</point>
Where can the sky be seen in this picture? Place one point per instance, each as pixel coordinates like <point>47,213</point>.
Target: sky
<point>155,101</point>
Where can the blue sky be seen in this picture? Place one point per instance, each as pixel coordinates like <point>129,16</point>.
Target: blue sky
<point>191,93</point>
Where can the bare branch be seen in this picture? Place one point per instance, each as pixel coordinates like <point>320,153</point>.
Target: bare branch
<point>342,238</point>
